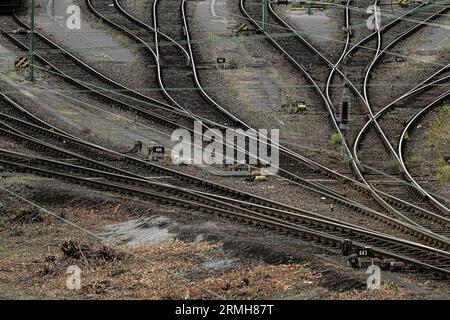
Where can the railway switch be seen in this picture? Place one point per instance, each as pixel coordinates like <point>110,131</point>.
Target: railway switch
<point>140,150</point>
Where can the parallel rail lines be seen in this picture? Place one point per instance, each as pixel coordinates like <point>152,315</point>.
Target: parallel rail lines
<point>428,202</point>
<point>307,184</point>
<point>77,72</point>
<point>383,198</point>
<point>307,227</point>
<point>38,137</point>
<point>41,166</point>
<point>252,209</point>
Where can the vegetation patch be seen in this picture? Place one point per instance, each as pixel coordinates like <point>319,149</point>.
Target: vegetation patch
<point>437,137</point>
<point>261,282</point>
<point>388,291</point>
<point>336,138</point>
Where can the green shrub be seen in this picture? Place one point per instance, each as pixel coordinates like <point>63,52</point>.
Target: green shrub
<point>390,163</point>
<point>406,136</point>
<point>444,174</point>
<point>336,138</point>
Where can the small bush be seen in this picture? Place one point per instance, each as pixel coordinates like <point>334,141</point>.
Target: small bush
<point>444,174</point>
<point>336,138</point>
<point>24,216</point>
<point>390,163</point>
<point>78,249</point>
<point>406,136</point>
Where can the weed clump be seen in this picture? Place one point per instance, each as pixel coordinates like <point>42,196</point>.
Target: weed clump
<point>444,174</point>
<point>336,138</point>
<point>81,250</point>
<point>24,216</point>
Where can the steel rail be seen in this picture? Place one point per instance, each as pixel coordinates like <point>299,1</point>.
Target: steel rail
<point>379,53</point>
<point>298,179</point>
<point>247,214</point>
<point>407,128</point>
<point>334,67</point>
<point>374,121</point>
<point>364,99</point>
<point>355,167</point>
<point>269,206</point>
<point>416,90</point>
<point>143,112</point>
<point>86,66</point>
<point>329,79</point>
<point>379,199</point>
<point>307,184</point>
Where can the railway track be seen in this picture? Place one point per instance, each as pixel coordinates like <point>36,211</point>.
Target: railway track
<point>140,22</point>
<point>173,71</point>
<point>56,144</point>
<point>414,195</point>
<point>373,193</point>
<point>423,204</point>
<point>438,263</point>
<point>409,128</point>
<point>357,207</point>
<point>346,202</point>
<point>187,34</point>
<point>117,17</point>
<point>72,69</point>
<point>307,184</point>
<point>144,173</point>
<point>322,231</point>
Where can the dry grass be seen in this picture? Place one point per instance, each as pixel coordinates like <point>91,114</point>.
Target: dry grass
<point>260,282</point>
<point>38,268</point>
<point>388,291</point>
<point>36,250</point>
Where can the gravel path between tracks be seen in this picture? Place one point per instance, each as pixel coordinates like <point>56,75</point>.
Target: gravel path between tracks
<point>233,261</point>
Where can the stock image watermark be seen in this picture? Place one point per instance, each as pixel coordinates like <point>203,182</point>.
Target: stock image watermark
<point>73,281</point>
<point>71,13</point>
<point>374,21</point>
<point>374,280</point>
<point>73,22</point>
<point>233,146</point>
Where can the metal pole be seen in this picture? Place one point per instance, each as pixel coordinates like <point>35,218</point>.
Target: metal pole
<point>265,14</point>
<point>31,38</point>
